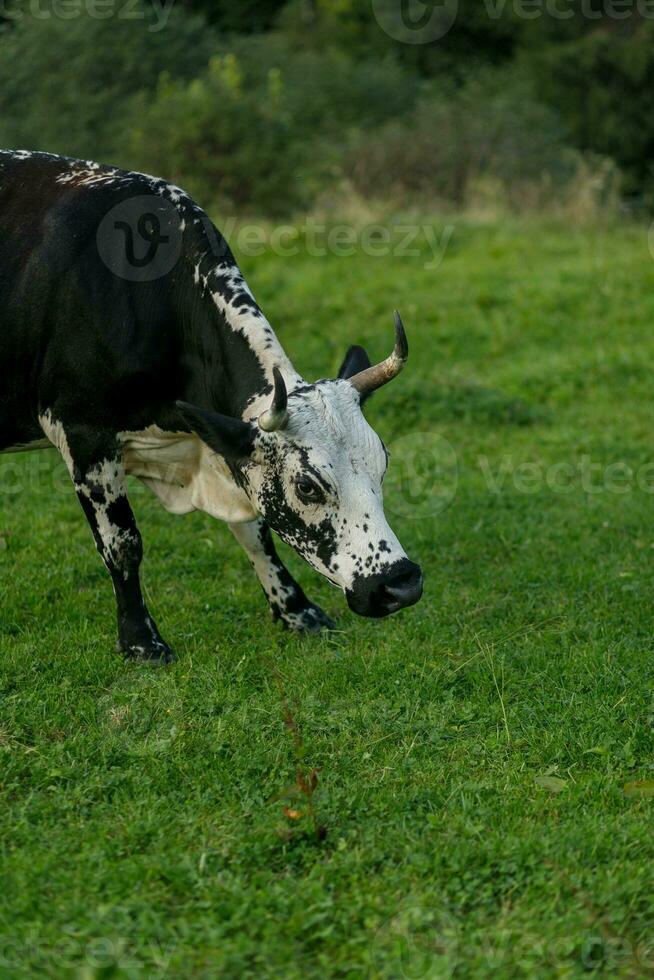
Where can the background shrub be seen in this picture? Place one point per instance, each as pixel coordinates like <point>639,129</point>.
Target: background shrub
<point>67,86</point>
<point>263,106</point>
<point>602,85</point>
<point>226,143</point>
<point>264,127</point>
<point>490,127</point>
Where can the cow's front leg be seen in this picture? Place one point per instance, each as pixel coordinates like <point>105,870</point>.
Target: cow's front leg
<point>287,601</point>
<point>99,477</point>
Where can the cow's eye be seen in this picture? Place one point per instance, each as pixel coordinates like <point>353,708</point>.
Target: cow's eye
<point>307,490</point>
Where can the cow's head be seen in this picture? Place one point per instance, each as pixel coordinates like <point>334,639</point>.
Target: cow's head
<point>313,467</point>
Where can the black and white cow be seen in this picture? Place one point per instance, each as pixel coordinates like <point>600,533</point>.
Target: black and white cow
<point>131,342</point>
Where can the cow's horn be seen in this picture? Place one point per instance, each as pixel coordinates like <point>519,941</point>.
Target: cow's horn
<point>276,416</point>
<point>374,377</point>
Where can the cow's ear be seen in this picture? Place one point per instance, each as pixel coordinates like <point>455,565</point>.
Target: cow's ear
<point>355,360</point>
<point>231,438</point>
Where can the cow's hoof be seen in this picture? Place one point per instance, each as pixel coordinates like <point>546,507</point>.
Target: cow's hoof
<point>157,655</point>
<point>310,619</point>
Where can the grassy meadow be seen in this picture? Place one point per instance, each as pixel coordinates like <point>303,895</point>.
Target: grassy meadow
<point>486,759</point>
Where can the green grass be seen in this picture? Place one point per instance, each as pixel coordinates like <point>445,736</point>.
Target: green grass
<point>142,830</point>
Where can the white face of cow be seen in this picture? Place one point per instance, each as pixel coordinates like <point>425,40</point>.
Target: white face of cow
<point>318,483</point>
<point>313,467</point>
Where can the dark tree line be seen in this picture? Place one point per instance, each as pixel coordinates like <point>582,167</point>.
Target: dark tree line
<point>320,84</point>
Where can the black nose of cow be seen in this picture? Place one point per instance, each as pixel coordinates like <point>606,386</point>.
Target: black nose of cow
<point>403,589</point>
<point>380,595</point>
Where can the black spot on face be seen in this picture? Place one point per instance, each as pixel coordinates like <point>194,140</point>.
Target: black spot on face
<point>310,539</point>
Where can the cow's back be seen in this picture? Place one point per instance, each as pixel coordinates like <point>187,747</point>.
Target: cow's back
<point>79,331</point>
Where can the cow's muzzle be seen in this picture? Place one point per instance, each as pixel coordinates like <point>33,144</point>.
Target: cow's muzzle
<point>380,595</point>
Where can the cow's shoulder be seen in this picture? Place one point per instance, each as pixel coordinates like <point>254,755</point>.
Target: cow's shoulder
<point>55,206</point>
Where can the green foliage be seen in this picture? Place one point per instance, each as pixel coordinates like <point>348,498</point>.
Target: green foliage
<point>474,39</point>
<point>226,142</point>
<point>66,85</point>
<point>261,129</point>
<point>326,92</point>
<point>489,127</point>
<point>485,758</point>
<point>602,85</point>
<point>243,17</point>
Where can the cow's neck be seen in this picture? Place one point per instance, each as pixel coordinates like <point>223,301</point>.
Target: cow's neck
<point>235,347</point>
<point>229,351</point>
